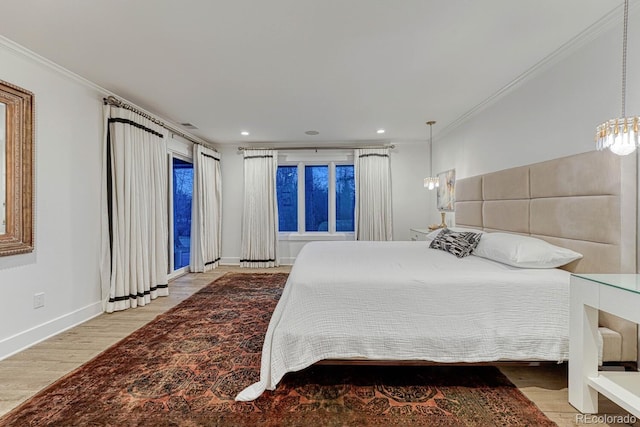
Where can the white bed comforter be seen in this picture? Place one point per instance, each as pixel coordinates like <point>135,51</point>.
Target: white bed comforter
<point>404,301</point>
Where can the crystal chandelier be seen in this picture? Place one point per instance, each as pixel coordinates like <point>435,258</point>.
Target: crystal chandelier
<point>431,181</point>
<point>620,135</point>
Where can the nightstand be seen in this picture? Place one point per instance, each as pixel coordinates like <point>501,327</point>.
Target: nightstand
<point>618,294</point>
<point>419,233</point>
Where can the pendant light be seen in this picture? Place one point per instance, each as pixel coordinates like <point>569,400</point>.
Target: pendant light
<point>620,135</point>
<point>431,181</point>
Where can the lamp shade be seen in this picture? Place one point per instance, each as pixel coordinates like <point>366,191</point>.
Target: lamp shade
<point>618,135</point>
<point>431,182</point>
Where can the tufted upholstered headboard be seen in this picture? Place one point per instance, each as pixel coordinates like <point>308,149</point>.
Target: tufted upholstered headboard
<point>585,202</point>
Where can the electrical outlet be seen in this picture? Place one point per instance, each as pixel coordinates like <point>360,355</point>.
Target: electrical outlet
<point>38,300</point>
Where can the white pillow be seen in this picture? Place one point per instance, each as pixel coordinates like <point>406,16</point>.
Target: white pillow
<point>523,251</point>
<point>432,235</point>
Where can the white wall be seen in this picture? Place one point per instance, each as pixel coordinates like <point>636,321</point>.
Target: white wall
<point>232,184</point>
<point>409,166</point>
<point>551,115</point>
<point>412,203</point>
<point>64,265</point>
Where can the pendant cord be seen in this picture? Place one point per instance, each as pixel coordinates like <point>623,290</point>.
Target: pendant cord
<point>624,57</point>
<point>430,150</point>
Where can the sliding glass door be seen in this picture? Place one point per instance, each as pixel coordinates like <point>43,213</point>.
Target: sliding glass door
<point>182,192</point>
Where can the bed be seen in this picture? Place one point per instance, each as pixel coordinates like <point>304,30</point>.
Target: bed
<point>403,301</point>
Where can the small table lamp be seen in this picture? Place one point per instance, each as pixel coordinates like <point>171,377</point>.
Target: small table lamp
<point>443,224</point>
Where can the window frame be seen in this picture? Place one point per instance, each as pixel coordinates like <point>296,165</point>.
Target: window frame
<point>331,161</point>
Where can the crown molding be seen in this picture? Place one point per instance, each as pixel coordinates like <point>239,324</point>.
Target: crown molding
<point>23,51</point>
<point>604,24</point>
<point>41,60</point>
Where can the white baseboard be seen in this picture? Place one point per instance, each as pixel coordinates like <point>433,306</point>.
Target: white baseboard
<point>23,340</point>
<point>236,261</point>
<point>230,261</point>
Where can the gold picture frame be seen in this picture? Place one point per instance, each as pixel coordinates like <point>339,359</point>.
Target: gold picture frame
<point>16,236</point>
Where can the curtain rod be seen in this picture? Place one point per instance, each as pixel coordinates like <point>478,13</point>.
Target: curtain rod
<point>353,147</point>
<point>112,100</point>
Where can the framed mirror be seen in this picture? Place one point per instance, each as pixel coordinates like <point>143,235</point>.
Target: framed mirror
<point>16,170</point>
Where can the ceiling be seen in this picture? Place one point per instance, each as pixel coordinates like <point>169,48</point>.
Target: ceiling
<point>278,68</point>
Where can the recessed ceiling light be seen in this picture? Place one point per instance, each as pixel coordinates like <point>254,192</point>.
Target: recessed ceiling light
<point>380,131</point>
<point>312,132</point>
<point>244,133</point>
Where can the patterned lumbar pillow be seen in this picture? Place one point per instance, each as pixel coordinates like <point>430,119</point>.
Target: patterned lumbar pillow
<point>459,244</point>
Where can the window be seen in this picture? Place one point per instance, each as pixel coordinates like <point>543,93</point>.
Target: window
<point>287,188</point>
<point>345,197</point>
<point>182,174</point>
<point>316,198</point>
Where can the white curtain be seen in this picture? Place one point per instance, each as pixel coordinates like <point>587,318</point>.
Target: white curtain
<point>260,210</point>
<point>206,211</point>
<point>135,237</point>
<point>373,194</point>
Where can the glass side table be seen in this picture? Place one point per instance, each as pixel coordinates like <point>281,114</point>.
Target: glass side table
<point>618,294</point>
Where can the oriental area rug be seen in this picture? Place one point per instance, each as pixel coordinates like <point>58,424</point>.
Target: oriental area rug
<point>186,366</point>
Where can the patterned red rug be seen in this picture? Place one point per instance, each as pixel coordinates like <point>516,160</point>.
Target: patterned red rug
<point>186,366</point>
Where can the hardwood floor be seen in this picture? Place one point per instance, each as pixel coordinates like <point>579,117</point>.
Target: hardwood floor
<point>26,373</point>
